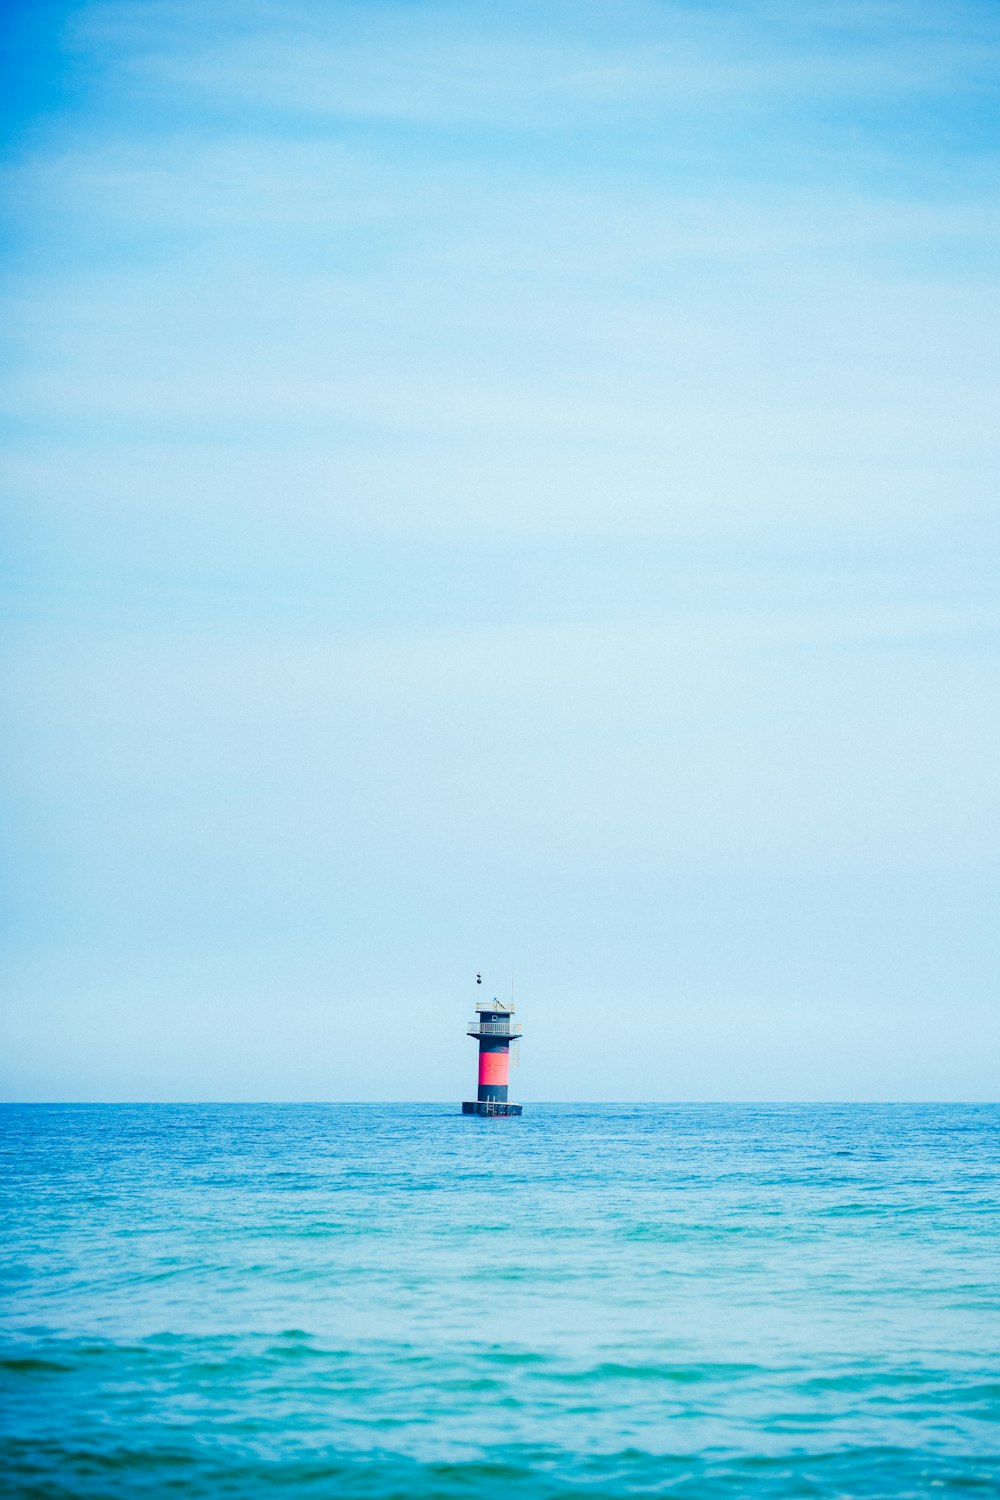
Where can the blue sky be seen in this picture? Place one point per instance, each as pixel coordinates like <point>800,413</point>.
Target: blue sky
<point>503,487</point>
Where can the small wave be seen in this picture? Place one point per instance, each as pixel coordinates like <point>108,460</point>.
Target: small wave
<point>672,1374</point>
<point>34,1365</point>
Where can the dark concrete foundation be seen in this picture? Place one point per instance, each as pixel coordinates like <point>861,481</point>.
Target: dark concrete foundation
<point>490,1107</point>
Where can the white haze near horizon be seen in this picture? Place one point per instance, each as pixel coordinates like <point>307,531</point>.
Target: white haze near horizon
<point>503,488</point>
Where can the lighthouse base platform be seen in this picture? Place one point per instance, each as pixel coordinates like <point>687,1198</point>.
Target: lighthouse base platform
<point>490,1107</point>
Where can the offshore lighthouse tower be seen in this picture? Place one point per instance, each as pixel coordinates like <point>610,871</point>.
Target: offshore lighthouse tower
<point>495,1031</point>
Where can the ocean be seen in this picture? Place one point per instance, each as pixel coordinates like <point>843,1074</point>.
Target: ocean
<point>592,1300</point>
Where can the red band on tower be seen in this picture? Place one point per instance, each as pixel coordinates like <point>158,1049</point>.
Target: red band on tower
<point>494,1067</point>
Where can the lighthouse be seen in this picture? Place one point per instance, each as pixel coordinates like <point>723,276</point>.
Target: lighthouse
<point>495,1031</point>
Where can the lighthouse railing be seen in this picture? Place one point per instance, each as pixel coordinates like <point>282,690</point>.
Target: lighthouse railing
<point>494,1028</point>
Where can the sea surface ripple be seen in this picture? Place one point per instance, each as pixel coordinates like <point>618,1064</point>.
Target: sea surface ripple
<point>594,1300</point>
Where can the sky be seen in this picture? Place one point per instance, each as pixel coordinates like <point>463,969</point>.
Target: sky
<point>506,488</point>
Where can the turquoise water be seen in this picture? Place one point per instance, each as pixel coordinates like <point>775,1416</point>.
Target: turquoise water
<point>388,1301</point>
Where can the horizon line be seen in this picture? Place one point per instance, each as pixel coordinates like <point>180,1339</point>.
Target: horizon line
<point>451,1104</point>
